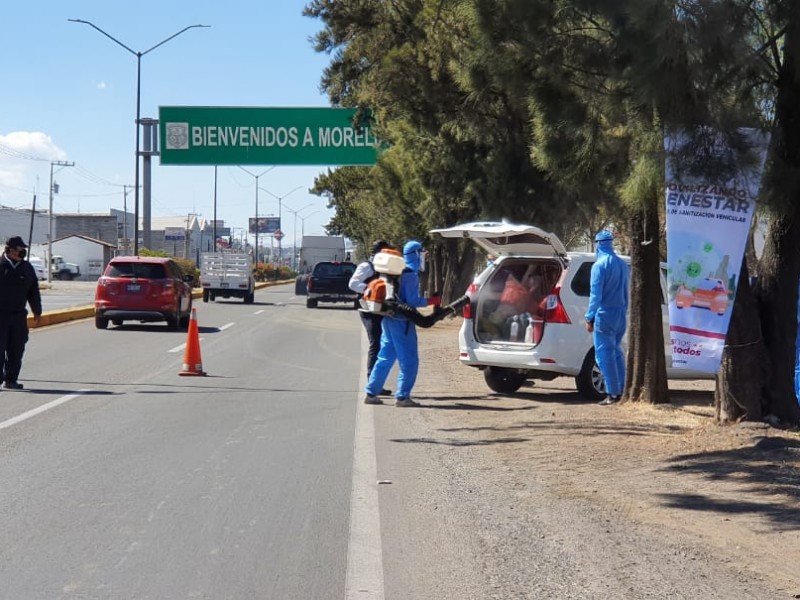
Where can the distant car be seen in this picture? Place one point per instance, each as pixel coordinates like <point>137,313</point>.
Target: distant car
<point>38,266</point>
<point>144,289</point>
<point>710,293</point>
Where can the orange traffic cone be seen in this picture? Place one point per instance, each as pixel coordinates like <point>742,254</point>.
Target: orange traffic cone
<point>192,362</point>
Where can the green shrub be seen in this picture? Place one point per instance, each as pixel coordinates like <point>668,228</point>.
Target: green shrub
<point>189,268</point>
<point>272,272</point>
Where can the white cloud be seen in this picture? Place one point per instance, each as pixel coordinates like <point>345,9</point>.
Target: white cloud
<point>19,151</point>
<point>33,143</point>
<point>102,85</point>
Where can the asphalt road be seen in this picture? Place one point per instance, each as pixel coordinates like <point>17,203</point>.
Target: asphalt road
<point>58,295</point>
<point>122,479</point>
<point>270,479</point>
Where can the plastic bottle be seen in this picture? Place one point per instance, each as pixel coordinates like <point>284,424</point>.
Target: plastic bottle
<point>529,332</point>
<point>514,329</point>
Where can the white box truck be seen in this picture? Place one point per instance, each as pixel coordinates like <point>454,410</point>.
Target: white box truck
<point>227,275</point>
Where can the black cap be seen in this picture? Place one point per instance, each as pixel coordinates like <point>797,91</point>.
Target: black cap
<point>16,242</point>
<point>379,245</point>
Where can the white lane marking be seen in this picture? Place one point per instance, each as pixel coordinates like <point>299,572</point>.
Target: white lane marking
<point>40,409</point>
<point>182,347</point>
<point>258,312</point>
<point>364,552</point>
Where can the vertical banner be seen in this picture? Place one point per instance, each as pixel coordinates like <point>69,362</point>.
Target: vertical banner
<point>707,227</point>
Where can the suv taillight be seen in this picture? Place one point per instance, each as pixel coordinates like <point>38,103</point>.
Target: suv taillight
<point>472,290</point>
<point>554,308</point>
<point>466,312</point>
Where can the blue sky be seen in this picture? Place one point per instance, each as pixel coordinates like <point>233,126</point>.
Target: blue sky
<point>69,94</point>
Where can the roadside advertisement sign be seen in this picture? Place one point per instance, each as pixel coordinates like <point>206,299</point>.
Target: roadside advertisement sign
<point>207,135</point>
<point>174,234</point>
<point>264,225</point>
<point>707,228</point>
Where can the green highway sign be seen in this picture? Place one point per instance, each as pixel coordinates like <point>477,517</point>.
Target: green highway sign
<point>208,135</point>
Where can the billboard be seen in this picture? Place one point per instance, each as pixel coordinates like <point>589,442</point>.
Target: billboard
<point>266,225</point>
<point>174,234</point>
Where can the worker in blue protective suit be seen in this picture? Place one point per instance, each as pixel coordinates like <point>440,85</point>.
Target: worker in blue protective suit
<point>606,315</point>
<point>399,335</point>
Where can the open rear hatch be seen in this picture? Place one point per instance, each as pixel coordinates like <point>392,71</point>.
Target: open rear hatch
<point>508,239</point>
<point>517,298</point>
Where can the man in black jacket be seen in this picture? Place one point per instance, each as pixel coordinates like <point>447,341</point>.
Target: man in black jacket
<point>19,286</point>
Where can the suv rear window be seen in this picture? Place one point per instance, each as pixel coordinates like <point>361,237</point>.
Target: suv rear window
<point>136,269</point>
<point>582,282</point>
<point>334,269</point>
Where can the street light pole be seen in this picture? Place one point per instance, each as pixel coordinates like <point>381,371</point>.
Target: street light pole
<point>138,56</point>
<point>256,177</point>
<point>303,221</point>
<point>280,206</point>
<point>294,233</point>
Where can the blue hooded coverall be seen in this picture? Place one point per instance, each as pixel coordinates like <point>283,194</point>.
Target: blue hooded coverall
<point>608,307</point>
<point>398,334</point>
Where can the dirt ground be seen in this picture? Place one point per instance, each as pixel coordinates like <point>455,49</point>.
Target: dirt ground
<point>732,491</point>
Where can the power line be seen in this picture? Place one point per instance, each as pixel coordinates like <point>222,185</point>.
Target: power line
<point>8,151</point>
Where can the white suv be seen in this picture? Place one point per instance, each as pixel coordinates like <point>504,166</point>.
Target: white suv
<point>525,318</point>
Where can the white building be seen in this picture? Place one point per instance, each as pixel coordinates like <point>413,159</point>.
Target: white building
<point>14,221</point>
<point>91,255</point>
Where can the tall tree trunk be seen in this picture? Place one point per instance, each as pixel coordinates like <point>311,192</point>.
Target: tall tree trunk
<point>777,306</point>
<point>459,262</point>
<point>780,263</point>
<point>743,371</point>
<point>646,379</point>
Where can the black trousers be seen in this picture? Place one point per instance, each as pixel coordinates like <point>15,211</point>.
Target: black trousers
<point>372,323</point>
<point>13,337</point>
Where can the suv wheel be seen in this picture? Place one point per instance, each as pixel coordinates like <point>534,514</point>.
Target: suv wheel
<point>311,303</point>
<point>101,322</point>
<point>502,380</point>
<point>174,320</point>
<point>590,382</point>
<point>183,322</point>
<point>300,288</point>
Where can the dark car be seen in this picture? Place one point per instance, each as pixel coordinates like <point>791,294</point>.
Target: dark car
<point>329,282</point>
<point>144,289</point>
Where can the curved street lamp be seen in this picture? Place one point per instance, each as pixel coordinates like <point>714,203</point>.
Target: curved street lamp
<point>303,220</point>
<point>138,56</point>
<point>256,176</point>
<point>280,206</point>
<point>294,232</point>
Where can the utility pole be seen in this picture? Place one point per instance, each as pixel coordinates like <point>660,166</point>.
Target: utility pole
<point>124,220</point>
<point>33,214</point>
<point>49,267</point>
